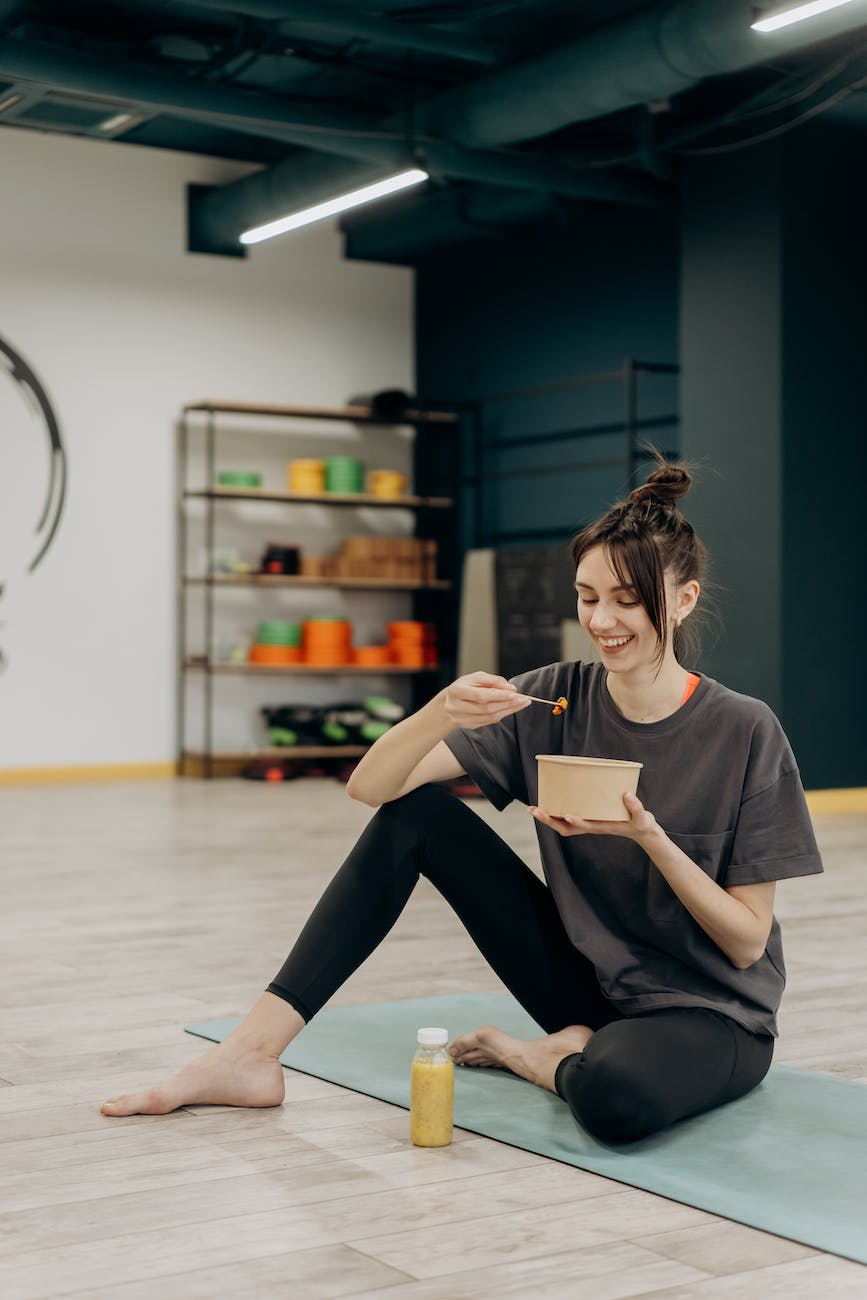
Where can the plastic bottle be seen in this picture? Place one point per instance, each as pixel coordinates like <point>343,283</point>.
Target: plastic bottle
<point>432,1088</point>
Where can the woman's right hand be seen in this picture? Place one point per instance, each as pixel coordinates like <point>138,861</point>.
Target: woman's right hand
<point>478,699</point>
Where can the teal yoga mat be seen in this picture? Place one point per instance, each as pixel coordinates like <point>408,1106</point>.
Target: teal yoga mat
<point>789,1158</point>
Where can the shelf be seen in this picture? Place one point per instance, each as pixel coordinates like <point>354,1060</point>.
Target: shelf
<point>231,762</point>
<point>313,670</point>
<point>356,414</point>
<point>320,498</point>
<point>302,580</point>
<point>202,603</point>
<point>281,751</point>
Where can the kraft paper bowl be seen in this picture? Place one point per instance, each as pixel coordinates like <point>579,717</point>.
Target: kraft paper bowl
<point>592,788</point>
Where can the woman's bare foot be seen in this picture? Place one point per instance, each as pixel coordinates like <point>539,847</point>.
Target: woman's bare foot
<point>536,1060</point>
<point>244,1070</point>
<point>228,1075</point>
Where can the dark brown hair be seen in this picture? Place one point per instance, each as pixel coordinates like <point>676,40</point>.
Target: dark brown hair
<point>646,536</point>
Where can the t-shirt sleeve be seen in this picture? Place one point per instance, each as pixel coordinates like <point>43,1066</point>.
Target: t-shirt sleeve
<point>774,837</point>
<point>491,756</point>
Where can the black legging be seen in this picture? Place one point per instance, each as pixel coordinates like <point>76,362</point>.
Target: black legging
<point>637,1073</point>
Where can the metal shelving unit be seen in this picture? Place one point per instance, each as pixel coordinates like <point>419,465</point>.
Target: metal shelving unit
<point>434,466</point>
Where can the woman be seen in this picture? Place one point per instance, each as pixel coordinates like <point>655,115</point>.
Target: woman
<point>651,957</point>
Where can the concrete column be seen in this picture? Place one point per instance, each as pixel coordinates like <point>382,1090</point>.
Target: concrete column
<point>774,408</point>
<point>731,403</point>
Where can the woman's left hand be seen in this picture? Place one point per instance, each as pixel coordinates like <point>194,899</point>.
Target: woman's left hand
<point>641,823</point>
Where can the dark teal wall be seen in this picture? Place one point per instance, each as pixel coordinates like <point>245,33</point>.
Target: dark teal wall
<point>535,309</point>
<point>774,401</point>
<point>731,404</point>
<point>824,519</point>
<point>758,287</point>
<point>506,313</point>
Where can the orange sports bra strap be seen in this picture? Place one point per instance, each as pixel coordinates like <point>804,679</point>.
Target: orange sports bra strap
<point>691,684</point>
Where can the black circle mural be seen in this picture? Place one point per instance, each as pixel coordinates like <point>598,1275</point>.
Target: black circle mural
<point>15,370</point>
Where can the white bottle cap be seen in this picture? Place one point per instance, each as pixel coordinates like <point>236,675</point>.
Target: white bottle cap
<point>432,1037</point>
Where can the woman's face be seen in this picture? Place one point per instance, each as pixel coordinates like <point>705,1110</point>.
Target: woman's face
<point>613,616</point>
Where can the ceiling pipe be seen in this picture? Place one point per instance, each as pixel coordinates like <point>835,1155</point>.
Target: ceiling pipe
<point>132,86</point>
<point>420,223</point>
<point>10,12</point>
<point>514,170</point>
<point>653,54</point>
<point>218,215</point>
<point>381,147</point>
<point>345,23</point>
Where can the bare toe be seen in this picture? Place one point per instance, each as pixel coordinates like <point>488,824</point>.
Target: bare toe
<point>485,1046</point>
<point>479,1059</point>
<point>151,1102</point>
<point>220,1078</point>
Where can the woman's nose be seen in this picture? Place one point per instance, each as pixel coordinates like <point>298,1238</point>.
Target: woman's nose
<point>601,619</point>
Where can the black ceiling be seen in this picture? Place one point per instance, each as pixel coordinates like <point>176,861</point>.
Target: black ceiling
<point>511,106</point>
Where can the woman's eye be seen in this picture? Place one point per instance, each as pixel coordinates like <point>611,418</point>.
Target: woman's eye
<point>626,604</point>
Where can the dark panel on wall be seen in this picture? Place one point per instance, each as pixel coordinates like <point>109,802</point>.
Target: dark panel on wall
<point>774,400</point>
<point>534,595</point>
<point>731,403</point>
<point>825,468</point>
<point>510,313</point>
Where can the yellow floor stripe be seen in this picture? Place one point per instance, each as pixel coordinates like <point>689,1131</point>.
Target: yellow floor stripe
<point>89,772</point>
<point>837,801</point>
<point>818,801</point>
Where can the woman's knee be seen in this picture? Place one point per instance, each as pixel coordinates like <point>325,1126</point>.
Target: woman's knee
<point>427,810</point>
<point>606,1093</point>
<point>433,830</point>
<point>425,799</point>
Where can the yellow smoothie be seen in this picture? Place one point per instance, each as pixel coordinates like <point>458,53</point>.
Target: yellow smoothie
<point>432,1087</point>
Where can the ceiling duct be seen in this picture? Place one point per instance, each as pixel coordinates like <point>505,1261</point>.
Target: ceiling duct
<point>351,23</point>
<point>653,54</point>
<point>133,86</point>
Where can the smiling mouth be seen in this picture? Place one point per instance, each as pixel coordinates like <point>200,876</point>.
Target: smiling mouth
<point>614,642</point>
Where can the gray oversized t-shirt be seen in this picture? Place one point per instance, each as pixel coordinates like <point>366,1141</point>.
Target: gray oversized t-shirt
<point>721,780</point>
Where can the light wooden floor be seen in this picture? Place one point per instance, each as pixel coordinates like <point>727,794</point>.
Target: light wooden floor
<point>130,910</point>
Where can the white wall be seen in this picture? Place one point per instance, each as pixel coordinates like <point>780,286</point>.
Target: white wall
<point>123,327</point>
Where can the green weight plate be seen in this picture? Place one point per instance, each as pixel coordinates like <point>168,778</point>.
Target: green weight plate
<point>282,736</point>
<point>373,730</point>
<point>237,478</point>
<point>383,708</point>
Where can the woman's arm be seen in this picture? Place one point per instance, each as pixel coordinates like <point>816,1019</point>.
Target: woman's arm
<point>413,753</point>
<point>406,756</point>
<point>738,919</point>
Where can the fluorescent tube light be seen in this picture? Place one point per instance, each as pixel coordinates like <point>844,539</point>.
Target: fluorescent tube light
<point>796,14</point>
<point>332,206</point>
<point>118,122</point>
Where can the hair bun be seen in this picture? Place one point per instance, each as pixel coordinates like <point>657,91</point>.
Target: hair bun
<point>664,487</point>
